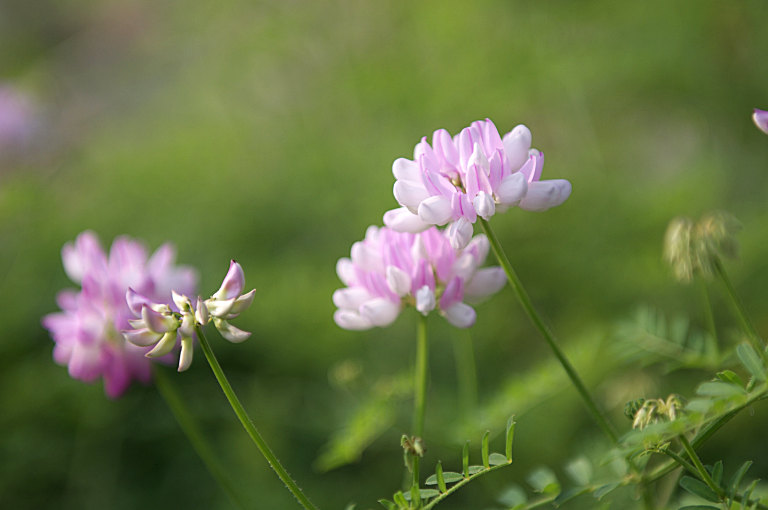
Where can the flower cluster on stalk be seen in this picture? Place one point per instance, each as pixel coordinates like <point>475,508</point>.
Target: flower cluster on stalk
<point>389,270</point>
<point>87,330</point>
<point>473,174</point>
<point>162,325</point>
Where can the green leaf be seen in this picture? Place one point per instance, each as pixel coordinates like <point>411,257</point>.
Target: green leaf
<point>510,437</point>
<point>400,499</point>
<point>719,389</point>
<point>465,459</point>
<point>698,488</point>
<point>604,489</point>
<point>731,377</point>
<point>423,494</point>
<point>717,472</point>
<point>543,480</point>
<point>484,448</point>
<point>497,459</point>
<point>351,506</point>
<point>569,494</point>
<point>388,504</point>
<point>475,469</point>
<point>580,471</point>
<point>751,361</point>
<point>448,476</point>
<point>439,476</point>
<point>512,496</point>
<point>733,485</point>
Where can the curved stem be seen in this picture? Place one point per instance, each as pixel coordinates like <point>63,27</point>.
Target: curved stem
<point>525,301</point>
<point>248,425</point>
<point>189,427</point>
<point>738,307</point>
<point>420,377</point>
<point>702,471</point>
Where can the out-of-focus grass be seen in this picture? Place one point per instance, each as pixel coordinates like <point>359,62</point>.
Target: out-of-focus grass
<point>265,132</point>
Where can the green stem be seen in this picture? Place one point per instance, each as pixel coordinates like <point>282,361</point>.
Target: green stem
<point>702,471</point>
<point>420,377</point>
<point>738,307</point>
<point>248,425</point>
<point>415,494</point>
<point>709,318</point>
<point>525,301</point>
<point>189,427</point>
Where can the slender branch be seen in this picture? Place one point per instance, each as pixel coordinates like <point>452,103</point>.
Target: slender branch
<point>702,471</point>
<point>420,377</point>
<point>709,316</point>
<point>192,431</point>
<point>461,483</point>
<point>525,301</point>
<point>738,307</point>
<point>248,425</point>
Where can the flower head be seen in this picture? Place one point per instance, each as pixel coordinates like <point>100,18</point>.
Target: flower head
<point>87,330</point>
<point>475,173</point>
<point>162,325</point>
<point>390,269</point>
<point>761,120</point>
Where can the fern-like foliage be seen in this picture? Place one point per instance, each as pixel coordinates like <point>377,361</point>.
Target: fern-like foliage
<point>444,483</point>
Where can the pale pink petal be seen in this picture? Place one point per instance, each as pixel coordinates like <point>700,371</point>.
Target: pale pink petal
<point>233,283</point>
<point>403,220</point>
<point>460,233</point>
<point>425,300</point>
<point>516,145</point>
<point>409,194</point>
<point>460,315</point>
<point>398,280</point>
<point>348,319</point>
<point>406,170</point>
<point>435,210</point>
<point>512,189</point>
<point>761,120</point>
<point>542,195</point>
<point>485,282</point>
<point>484,205</point>
<point>350,298</point>
<point>185,356</point>
<point>380,312</point>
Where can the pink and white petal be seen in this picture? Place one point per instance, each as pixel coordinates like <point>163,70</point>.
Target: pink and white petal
<point>158,322</point>
<point>164,346</point>
<point>460,233</point>
<point>233,283</point>
<point>443,145</point>
<point>425,300</point>
<point>761,120</point>
<point>137,301</point>
<point>453,293</point>
<point>398,281</point>
<point>485,282</point>
<point>365,255</point>
<point>543,195</point>
<point>409,194</point>
<point>484,205</point>
<point>512,189</point>
<point>185,357</point>
<point>86,362</point>
<point>345,270</point>
<point>403,220</point>
<point>479,248</point>
<point>351,320</point>
<point>460,315</point>
<point>406,170</point>
<point>242,303</point>
<point>436,211</point>
<point>350,298</point>
<point>142,337</point>
<point>516,145</point>
<point>230,332</point>
<point>380,312</point>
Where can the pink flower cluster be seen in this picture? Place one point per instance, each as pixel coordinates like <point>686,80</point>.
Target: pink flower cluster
<point>475,173</point>
<point>389,270</point>
<point>87,331</point>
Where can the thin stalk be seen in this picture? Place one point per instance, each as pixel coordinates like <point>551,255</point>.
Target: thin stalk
<point>248,425</point>
<point>415,494</point>
<point>525,301</point>
<point>466,373</point>
<point>709,318</point>
<point>741,313</point>
<point>192,431</point>
<point>420,377</point>
<point>702,471</point>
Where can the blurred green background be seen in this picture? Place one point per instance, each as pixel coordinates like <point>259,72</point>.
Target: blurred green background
<point>265,132</point>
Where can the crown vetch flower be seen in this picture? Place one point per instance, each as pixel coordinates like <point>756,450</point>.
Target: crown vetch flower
<point>761,120</point>
<point>475,173</point>
<point>391,269</point>
<point>87,330</point>
<point>161,325</point>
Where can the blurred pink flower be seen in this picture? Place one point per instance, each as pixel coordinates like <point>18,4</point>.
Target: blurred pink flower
<point>18,120</point>
<point>761,120</point>
<point>475,173</point>
<point>390,269</point>
<point>87,330</point>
